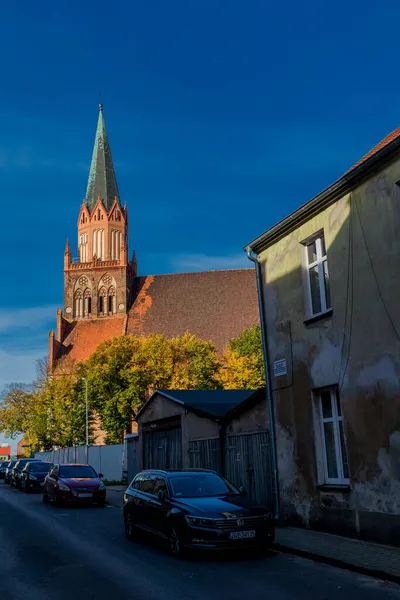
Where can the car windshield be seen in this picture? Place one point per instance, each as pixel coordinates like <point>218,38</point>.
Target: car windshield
<point>197,485</point>
<point>78,471</point>
<point>39,467</point>
<point>21,463</point>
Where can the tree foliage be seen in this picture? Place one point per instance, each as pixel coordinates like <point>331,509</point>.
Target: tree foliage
<point>49,413</point>
<point>124,371</point>
<point>120,376</point>
<point>243,365</point>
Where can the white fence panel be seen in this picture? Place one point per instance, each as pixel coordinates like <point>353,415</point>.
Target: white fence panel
<point>104,459</point>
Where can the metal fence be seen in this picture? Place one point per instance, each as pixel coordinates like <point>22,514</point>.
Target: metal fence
<point>104,459</point>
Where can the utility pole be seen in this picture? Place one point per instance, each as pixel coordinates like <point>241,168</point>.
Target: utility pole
<point>87,419</point>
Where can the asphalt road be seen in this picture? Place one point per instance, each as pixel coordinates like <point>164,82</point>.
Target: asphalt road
<point>63,553</point>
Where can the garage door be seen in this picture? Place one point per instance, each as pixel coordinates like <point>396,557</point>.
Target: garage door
<point>162,449</point>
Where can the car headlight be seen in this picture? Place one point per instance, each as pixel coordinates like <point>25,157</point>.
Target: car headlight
<point>198,521</point>
<point>62,486</point>
<point>33,477</point>
<point>102,486</point>
<point>267,517</point>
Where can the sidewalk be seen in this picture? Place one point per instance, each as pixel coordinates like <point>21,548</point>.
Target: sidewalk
<point>356,555</point>
<point>368,558</point>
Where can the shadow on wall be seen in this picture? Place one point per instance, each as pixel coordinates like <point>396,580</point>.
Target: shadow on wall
<point>356,348</point>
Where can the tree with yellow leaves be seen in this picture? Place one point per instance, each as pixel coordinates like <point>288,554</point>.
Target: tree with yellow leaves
<point>243,366</point>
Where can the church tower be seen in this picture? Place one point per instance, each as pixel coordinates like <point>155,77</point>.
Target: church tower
<point>98,283</point>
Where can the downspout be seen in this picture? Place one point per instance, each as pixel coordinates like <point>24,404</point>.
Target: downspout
<point>268,387</point>
<point>222,434</point>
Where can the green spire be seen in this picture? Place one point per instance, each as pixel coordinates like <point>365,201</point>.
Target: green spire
<point>102,181</point>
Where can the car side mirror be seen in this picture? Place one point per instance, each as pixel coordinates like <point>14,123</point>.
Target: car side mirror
<point>161,495</point>
<point>242,490</point>
<point>101,475</point>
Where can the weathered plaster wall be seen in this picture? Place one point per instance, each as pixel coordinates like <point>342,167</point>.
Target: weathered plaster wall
<point>193,426</point>
<point>359,352</point>
<point>250,421</point>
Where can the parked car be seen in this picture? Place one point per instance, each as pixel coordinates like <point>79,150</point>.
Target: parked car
<point>74,483</point>
<point>3,468</point>
<point>33,475</point>
<point>7,472</point>
<point>196,509</point>
<point>17,469</point>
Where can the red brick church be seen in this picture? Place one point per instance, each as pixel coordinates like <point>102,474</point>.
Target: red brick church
<point>105,297</point>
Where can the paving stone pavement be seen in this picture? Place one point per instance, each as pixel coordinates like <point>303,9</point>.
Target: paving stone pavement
<point>359,555</point>
<point>365,557</point>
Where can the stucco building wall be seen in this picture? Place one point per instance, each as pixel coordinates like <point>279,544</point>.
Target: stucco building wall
<point>192,426</point>
<point>356,348</point>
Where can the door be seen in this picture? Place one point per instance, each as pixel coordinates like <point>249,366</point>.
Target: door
<point>247,462</point>
<point>162,449</point>
<point>132,457</point>
<point>51,482</point>
<point>143,500</point>
<point>205,454</point>
<point>158,509</point>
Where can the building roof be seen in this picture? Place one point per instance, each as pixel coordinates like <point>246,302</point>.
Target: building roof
<point>217,404</point>
<point>377,157</point>
<point>82,337</point>
<point>213,305</point>
<point>102,180</point>
<point>387,140</point>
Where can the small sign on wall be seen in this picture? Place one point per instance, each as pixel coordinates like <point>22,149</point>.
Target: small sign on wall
<point>280,367</point>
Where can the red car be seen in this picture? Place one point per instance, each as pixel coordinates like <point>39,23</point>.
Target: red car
<point>74,483</point>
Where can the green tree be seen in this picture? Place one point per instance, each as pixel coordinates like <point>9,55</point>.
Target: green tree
<point>124,371</point>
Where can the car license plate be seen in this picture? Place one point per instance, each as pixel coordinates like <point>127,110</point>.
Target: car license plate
<point>242,535</point>
<point>85,495</point>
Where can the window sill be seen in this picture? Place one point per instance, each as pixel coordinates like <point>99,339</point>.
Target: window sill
<point>324,315</point>
<point>334,487</point>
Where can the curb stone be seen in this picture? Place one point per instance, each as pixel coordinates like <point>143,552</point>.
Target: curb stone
<point>334,562</point>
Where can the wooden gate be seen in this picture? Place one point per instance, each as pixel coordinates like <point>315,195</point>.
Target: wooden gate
<point>162,449</point>
<point>205,454</point>
<point>246,461</point>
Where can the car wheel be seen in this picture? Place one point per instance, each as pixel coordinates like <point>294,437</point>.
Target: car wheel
<point>130,529</point>
<point>57,500</point>
<point>175,542</point>
<point>45,497</point>
<point>102,503</point>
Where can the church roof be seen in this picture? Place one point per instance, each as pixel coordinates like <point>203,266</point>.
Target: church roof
<point>213,305</point>
<point>82,337</point>
<point>102,180</point>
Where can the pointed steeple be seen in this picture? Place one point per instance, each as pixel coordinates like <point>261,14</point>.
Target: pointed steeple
<point>102,181</point>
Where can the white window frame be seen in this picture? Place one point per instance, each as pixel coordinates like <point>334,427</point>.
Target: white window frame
<point>335,419</point>
<point>319,262</point>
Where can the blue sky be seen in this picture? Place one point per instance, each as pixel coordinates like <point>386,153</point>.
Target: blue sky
<point>223,117</point>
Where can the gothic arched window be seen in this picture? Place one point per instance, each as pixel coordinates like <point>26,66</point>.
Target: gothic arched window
<point>112,300</point>
<point>87,302</point>
<point>103,300</point>
<point>78,304</point>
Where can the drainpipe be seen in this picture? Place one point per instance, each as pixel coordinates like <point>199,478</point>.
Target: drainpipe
<point>268,387</point>
<point>222,434</point>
